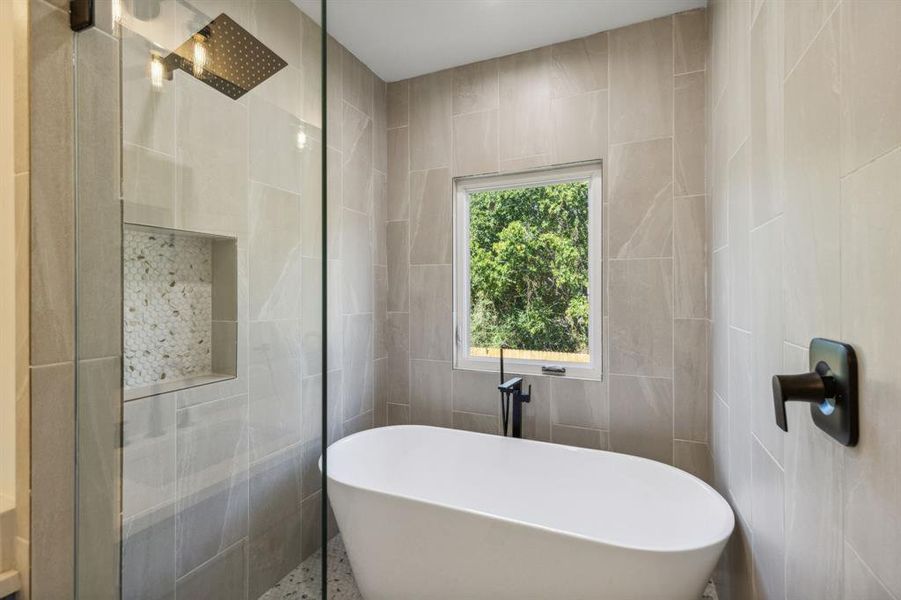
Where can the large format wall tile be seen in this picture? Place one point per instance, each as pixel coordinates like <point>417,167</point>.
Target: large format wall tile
<point>579,127</point>
<point>274,152</point>
<point>52,480</point>
<point>690,256</point>
<point>356,262</point>
<point>431,312</point>
<point>52,267</point>
<point>398,104</point>
<point>275,386</point>
<point>148,562</point>
<point>870,255</point>
<point>579,403</point>
<point>690,41</point>
<point>739,240</point>
<point>476,392</point>
<point>871,80</point>
<point>475,143</point>
<point>476,422</point>
<point>813,500</point>
<point>767,310</point>
<point>579,65</point>
<point>740,438</point>
<point>766,105</point>
<point>274,253</point>
<point>398,358</point>
<point>222,578</point>
<point>274,520</point>
<point>213,163</point>
<point>812,169</point>
<point>148,114</point>
<point>691,353</point>
<point>356,170</point>
<point>475,87</point>
<point>212,480</point>
<point>739,76</point>
<point>380,126</point>
<point>430,121</point>
<point>641,200</point>
<point>641,417</point>
<point>431,399</point>
<point>431,218</point>
<point>358,369</point>
<point>398,266</point>
<point>398,414</point>
<point>525,93</point>
<point>693,457</point>
<point>720,444</point>
<point>719,327</point>
<point>768,506</point>
<point>148,186</point>
<point>579,437</point>
<point>803,20</point>
<point>641,317</point>
<point>148,455</point>
<point>859,580</point>
<point>641,81</point>
<point>398,173</point>
<point>689,142</point>
<point>358,83</point>
<point>334,92</point>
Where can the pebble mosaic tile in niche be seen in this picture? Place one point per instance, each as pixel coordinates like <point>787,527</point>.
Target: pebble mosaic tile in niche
<point>168,306</point>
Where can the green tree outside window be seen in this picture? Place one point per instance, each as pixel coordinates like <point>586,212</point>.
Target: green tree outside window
<point>529,268</point>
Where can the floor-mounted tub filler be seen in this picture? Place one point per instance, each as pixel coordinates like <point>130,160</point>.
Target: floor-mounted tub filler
<point>433,513</point>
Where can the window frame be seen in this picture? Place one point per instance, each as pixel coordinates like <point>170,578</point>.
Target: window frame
<point>463,188</point>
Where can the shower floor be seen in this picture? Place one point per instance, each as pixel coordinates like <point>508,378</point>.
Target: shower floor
<point>303,582</point>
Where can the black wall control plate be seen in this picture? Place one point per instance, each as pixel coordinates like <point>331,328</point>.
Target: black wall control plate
<point>837,416</point>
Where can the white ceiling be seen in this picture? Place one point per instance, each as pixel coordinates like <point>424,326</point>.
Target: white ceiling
<point>398,39</point>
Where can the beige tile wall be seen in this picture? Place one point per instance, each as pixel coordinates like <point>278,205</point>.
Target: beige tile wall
<point>633,98</point>
<point>232,466</point>
<point>804,159</point>
<point>69,204</point>
<point>240,487</point>
<point>52,302</point>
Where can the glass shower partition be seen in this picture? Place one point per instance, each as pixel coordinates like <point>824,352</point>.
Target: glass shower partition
<point>200,300</point>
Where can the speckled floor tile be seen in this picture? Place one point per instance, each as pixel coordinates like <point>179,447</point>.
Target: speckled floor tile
<point>303,582</point>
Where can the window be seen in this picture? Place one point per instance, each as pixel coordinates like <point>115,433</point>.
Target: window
<point>527,271</point>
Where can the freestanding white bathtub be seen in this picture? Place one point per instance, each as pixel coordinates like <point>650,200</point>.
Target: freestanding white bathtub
<point>433,513</point>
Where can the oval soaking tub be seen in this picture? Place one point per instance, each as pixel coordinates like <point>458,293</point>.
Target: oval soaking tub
<point>434,513</point>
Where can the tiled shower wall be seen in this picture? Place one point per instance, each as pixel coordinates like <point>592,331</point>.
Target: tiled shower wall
<point>805,168</point>
<point>631,97</point>
<point>221,486</point>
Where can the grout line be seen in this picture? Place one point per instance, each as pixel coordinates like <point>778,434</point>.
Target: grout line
<point>768,453</point>
<point>769,221</point>
<point>863,166</point>
<point>868,568</point>
<point>810,44</point>
<point>638,141</point>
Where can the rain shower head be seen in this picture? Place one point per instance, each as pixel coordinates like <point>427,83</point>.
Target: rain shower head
<point>225,56</point>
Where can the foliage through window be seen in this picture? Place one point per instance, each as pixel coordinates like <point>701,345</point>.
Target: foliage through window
<point>528,252</point>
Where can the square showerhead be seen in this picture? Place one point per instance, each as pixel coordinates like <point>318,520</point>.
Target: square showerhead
<point>227,57</point>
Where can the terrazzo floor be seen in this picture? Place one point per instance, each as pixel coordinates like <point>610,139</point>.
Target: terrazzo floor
<point>303,582</point>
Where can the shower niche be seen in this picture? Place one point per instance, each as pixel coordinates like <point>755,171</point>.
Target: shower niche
<point>180,310</point>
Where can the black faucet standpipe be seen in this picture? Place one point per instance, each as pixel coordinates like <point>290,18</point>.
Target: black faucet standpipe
<point>830,388</point>
<point>512,390</point>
